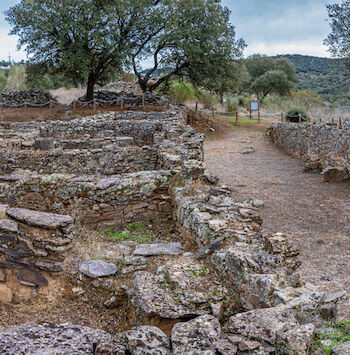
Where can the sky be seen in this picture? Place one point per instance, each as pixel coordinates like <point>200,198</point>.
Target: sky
<point>268,27</point>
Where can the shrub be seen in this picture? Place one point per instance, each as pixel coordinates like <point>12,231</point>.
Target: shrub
<point>181,91</point>
<point>243,101</point>
<point>293,115</point>
<point>208,100</point>
<point>232,104</point>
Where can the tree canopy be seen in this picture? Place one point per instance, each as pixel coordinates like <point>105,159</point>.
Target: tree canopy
<point>270,76</point>
<point>88,39</point>
<point>338,40</point>
<point>194,40</point>
<point>84,39</point>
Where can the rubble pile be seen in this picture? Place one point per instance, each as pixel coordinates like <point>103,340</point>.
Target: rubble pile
<point>130,99</point>
<point>33,96</point>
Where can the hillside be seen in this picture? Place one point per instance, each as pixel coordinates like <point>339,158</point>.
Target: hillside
<point>329,77</point>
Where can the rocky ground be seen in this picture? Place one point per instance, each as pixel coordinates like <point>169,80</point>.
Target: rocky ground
<point>315,214</point>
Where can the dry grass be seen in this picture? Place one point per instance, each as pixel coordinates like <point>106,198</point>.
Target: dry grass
<point>66,96</point>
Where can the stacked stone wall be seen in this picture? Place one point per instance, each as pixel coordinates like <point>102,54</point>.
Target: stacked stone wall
<point>321,146</point>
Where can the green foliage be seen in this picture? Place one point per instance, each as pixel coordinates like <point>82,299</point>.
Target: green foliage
<point>270,76</point>
<point>258,65</point>
<point>16,78</point>
<point>340,335</point>
<point>273,81</point>
<point>179,91</point>
<point>329,77</point>
<point>293,115</point>
<point>39,77</point>
<point>133,232</point>
<point>338,40</point>
<point>187,38</point>
<point>208,100</point>
<point>84,39</point>
<point>232,103</point>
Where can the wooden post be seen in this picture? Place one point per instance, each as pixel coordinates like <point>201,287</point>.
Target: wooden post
<point>340,125</point>
<point>196,109</point>
<point>320,120</point>
<point>94,104</point>
<point>299,116</point>
<point>236,118</point>
<point>250,113</point>
<point>74,105</point>
<point>25,105</point>
<point>122,103</point>
<point>51,106</point>
<point>258,113</point>
<point>282,117</point>
<point>143,100</point>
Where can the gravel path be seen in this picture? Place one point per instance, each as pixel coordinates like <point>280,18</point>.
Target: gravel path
<point>315,215</point>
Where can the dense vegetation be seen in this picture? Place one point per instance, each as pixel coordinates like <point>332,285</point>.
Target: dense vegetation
<point>329,77</point>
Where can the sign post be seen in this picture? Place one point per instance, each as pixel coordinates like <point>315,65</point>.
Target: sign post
<point>254,106</point>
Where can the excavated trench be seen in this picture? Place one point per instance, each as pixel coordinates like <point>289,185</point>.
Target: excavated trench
<point>113,222</point>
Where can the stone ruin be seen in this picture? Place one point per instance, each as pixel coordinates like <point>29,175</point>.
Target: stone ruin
<point>226,288</point>
<point>323,146</point>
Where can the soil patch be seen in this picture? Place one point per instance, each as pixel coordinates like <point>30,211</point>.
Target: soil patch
<point>315,214</point>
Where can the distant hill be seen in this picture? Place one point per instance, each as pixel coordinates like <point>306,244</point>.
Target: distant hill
<point>329,77</point>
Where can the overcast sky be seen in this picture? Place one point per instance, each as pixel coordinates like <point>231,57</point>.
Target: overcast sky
<point>268,26</point>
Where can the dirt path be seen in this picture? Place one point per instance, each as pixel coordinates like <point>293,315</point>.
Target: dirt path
<point>316,215</point>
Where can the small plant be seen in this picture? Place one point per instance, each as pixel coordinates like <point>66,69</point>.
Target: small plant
<point>132,232</point>
<point>294,114</point>
<point>340,335</point>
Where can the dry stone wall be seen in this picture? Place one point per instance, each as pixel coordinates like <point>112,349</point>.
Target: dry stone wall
<point>321,146</point>
<point>120,199</point>
<point>224,288</point>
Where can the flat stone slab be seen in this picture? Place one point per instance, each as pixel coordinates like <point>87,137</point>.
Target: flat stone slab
<point>334,296</point>
<point>39,219</point>
<point>172,248</point>
<point>6,225</point>
<point>97,268</point>
<point>108,182</point>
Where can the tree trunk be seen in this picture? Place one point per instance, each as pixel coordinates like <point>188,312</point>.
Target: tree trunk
<point>90,88</point>
<point>222,99</point>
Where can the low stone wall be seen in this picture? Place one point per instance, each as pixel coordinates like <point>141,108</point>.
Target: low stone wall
<point>321,146</point>
<point>107,161</point>
<point>140,126</point>
<point>120,199</point>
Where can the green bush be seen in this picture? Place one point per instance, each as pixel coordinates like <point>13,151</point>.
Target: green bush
<point>208,100</point>
<point>293,115</point>
<point>243,101</point>
<point>232,104</point>
<point>181,91</point>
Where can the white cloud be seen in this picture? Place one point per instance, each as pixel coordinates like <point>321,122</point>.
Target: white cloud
<point>8,46</point>
<point>299,47</point>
